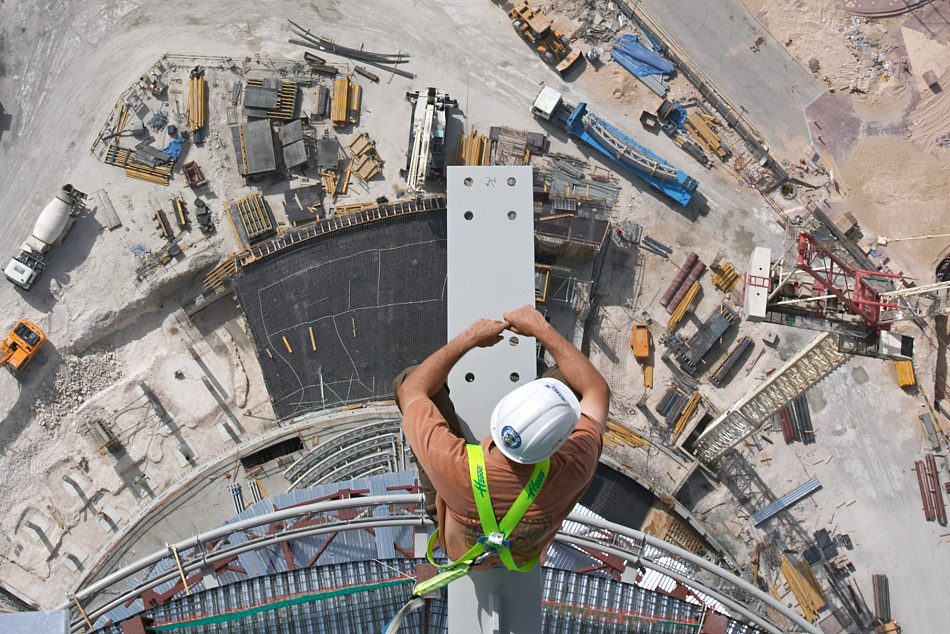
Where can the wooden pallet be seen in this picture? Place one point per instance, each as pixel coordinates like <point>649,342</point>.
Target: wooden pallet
<point>286,99</point>
<point>103,203</point>
<point>256,218</point>
<point>219,275</point>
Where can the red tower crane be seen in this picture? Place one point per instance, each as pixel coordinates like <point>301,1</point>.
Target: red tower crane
<point>851,286</point>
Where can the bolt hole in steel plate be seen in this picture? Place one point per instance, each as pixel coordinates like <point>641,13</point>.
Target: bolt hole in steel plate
<point>513,341</point>
<point>490,273</point>
<point>469,215</point>
<point>469,377</point>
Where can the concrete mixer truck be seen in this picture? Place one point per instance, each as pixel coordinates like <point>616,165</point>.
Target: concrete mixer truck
<point>51,227</point>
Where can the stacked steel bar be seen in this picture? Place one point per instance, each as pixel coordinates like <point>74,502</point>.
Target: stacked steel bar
<point>924,490</point>
<point>694,274</point>
<point>679,279</point>
<point>385,61</point>
<point>933,485</point>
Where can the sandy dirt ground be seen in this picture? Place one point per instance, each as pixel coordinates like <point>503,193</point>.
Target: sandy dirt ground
<point>880,65</point>
<point>59,79</point>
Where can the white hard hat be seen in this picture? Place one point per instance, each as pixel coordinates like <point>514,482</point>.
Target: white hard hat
<point>533,421</point>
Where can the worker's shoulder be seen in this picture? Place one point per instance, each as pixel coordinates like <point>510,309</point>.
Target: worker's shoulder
<point>584,444</point>
<point>587,424</point>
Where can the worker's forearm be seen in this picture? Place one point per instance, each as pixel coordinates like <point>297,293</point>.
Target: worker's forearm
<point>577,369</point>
<point>433,372</point>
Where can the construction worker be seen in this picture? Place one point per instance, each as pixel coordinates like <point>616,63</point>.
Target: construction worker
<point>547,434</point>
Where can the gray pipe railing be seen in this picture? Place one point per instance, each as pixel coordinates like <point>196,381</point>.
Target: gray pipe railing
<point>633,553</point>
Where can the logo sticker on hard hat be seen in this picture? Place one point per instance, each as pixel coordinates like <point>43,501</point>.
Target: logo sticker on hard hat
<point>510,437</point>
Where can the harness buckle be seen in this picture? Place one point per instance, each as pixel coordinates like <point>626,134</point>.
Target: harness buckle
<point>494,541</point>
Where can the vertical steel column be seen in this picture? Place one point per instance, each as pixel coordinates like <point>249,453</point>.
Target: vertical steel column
<point>490,272</point>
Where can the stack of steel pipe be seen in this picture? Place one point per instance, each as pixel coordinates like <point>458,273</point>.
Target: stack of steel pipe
<point>694,274</point>
<point>672,405</point>
<point>924,484</point>
<point>677,409</point>
<point>806,432</point>
<point>678,280</point>
<point>666,401</point>
<point>933,481</point>
<point>788,429</point>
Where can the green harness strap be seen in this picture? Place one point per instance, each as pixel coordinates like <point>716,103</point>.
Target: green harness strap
<point>494,541</point>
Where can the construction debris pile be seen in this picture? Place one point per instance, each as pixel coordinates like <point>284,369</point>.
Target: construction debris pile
<point>77,380</point>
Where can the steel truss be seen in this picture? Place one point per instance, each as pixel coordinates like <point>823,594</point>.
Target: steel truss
<point>852,287</point>
<point>809,365</point>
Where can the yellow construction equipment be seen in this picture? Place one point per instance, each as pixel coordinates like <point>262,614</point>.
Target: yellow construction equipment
<point>640,342</point>
<point>537,29</point>
<point>21,345</point>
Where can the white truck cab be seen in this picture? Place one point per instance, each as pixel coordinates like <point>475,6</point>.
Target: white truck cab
<point>546,103</point>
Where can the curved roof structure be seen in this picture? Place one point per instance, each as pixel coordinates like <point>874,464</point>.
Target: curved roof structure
<point>346,562</point>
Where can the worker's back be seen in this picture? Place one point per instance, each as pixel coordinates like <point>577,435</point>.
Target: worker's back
<point>443,457</point>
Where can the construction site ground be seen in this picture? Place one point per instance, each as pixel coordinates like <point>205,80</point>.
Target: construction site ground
<point>107,330</point>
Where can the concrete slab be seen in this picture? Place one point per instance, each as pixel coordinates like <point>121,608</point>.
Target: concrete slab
<point>74,557</point>
<point>37,527</point>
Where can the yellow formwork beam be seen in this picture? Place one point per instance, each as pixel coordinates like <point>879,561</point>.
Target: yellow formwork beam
<point>905,373</point>
<point>341,102</point>
<point>681,308</point>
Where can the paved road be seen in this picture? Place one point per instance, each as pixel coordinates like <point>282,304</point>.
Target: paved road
<point>767,84</point>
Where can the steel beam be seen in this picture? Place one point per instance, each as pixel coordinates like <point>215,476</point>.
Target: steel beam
<point>809,365</point>
<point>490,272</point>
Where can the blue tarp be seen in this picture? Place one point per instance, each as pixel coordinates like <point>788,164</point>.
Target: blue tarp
<point>638,59</point>
<point>173,149</point>
<point>677,115</point>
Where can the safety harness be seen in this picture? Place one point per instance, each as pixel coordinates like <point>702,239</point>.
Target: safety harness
<point>494,541</point>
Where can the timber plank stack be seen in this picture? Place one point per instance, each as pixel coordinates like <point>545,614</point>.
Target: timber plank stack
<point>123,157</point>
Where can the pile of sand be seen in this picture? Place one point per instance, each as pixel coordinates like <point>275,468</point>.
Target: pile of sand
<point>898,190</point>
